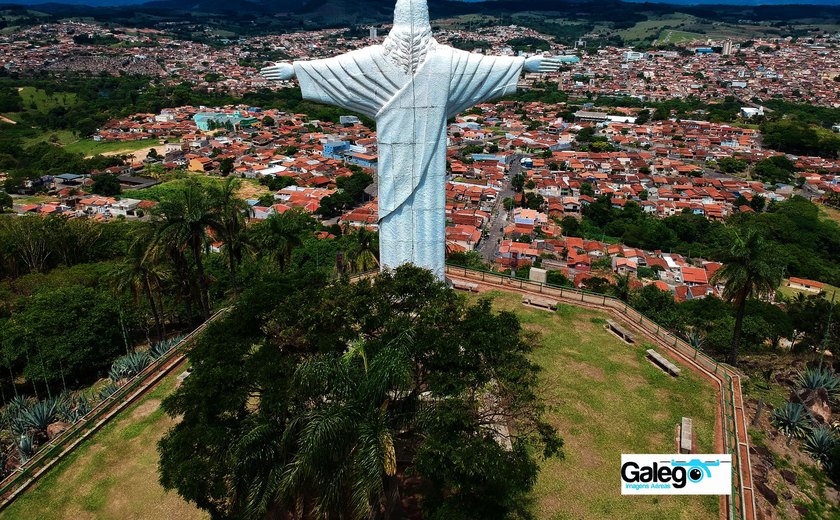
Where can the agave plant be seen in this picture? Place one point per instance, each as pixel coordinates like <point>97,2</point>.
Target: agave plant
<point>82,408</point>
<point>129,365</point>
<point>792,420</point>
<point>820,443</point>
<point>816,378</point>
<point>107,391</point>
<point>64,407</point>
<point>159,349</point>
<point>18,403</point>
<point>38,416</point>
<point>26,448</point>
<point>695,339</point>
<point>17,425</point>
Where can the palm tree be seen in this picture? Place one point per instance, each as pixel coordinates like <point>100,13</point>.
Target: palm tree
<point>279,235</point>
<point>231,225</point>
<point>184,219</point>
<point>345,440</point>
<point>749,271</point>
<point>141,275</point>
<point>364,253</point>
<point>336,457</point>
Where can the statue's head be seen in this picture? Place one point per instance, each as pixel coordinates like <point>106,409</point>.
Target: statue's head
<point>411,37</point>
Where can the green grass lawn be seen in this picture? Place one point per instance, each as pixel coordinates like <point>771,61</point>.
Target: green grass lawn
<point>603,396</point>
<point>827,213</point>
<point>606,399</point>
<point>88,147</point>
<point>111,476</point>
<point>59,137</point>
<point>38,99</point>
<point>679,37</point>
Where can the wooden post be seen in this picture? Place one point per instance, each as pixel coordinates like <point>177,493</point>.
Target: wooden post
<point>758,410</point>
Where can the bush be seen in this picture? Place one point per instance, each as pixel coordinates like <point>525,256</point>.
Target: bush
<point>820,444</point>
<point>816,378</point>
<point>792,420</point>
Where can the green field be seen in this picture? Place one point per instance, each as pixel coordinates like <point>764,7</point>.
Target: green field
<point>676,37</point>
<point>603,396</point>
<point>37,99</point>
<point>606,399</point>
<point>111,476</point>
<point>653,27</point>
<point>88,147</point>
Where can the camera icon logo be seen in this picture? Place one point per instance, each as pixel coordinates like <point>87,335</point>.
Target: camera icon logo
<point>696,469</point>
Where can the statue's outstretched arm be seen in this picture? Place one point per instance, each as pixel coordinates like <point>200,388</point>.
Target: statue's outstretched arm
<point>542,64</point>
<point>279,72</point>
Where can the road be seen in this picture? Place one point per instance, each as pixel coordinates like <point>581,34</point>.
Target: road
<point>498,220</point>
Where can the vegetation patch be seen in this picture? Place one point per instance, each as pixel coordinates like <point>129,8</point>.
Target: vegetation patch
<point>112,475</point>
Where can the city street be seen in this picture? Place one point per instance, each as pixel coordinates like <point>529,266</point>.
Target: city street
<point>489,245</point>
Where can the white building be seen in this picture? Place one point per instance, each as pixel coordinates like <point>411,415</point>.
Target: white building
<point>750,112</point>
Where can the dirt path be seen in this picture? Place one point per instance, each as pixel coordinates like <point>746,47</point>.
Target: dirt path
<point>139,155</point>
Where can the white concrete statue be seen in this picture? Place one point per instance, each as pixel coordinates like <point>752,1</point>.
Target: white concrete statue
<point>410,85</point>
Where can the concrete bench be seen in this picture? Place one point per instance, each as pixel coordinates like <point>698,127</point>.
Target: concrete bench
<point>465,286</point>
<point>540,302</point>
<point>685,435</point>
<point>623,333</point>
<point>663,363</point>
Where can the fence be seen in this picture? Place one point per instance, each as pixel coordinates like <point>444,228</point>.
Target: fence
<point>737,502</point>
<point>62,445</point>
<point>58,448</point>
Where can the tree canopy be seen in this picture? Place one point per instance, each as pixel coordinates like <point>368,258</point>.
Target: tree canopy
<point>318,396</point>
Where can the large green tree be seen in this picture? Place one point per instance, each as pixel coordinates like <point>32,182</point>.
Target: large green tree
<point>318,399</point>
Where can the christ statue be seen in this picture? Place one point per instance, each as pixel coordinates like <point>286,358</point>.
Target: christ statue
<point>410,85</point>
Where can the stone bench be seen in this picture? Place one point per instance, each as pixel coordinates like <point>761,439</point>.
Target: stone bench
<point>685,435</point>
<point>465,286</point>
<point>663,363</point>
<point>539,302</point>
<point>623,333</point>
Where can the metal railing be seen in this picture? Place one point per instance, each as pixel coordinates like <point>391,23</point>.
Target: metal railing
<point>735,503</point>
<point>52,452</point>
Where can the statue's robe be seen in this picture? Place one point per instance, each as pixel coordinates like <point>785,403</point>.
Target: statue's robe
<point>411,127</point>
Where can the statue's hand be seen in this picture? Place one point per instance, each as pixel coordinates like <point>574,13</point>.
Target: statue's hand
<point>279,72</point>
<point>543,64</point>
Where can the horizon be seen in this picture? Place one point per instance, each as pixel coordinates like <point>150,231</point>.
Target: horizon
<point>688,3</point>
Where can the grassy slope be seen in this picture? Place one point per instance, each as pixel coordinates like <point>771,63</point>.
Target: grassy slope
<point>38,100</point>
<point>603,396</point>
<point>113,475</point>
<point>89,147</point>
<point>606,399</point>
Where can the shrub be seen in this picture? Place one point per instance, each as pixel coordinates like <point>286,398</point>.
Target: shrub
<point>820,443</point>
<point>792,420</point>
<point>107,391</point>
<point>26,448</point>
<point>38,416</point>
<point>816,378</point>
<point>159,349</point>
<point>129,366</point>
